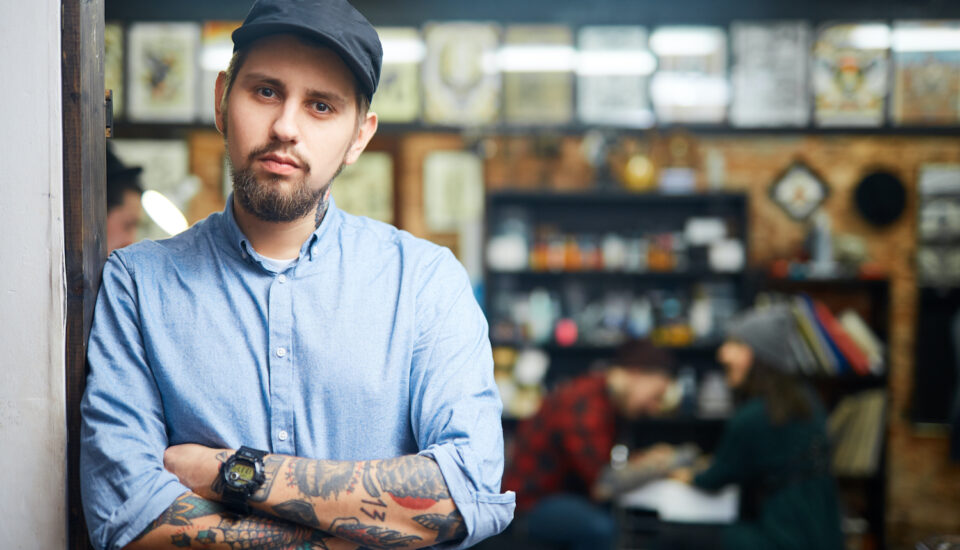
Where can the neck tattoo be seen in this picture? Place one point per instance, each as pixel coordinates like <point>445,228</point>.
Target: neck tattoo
<point>321,211</point>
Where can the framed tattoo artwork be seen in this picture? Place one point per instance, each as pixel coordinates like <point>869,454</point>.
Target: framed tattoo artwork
<point>365,188</point>
<point>537,62</point>
<point>113,65</point>
<point>850,67</point>
<point>926,82</point>
<point>162,72</point>
<point>613,69</point>
<point>460,81</point>
<point>452,190</point>
<point>770,85</point>
<point>691,84</point>
<point>216,49</point>
<point>398,94</point>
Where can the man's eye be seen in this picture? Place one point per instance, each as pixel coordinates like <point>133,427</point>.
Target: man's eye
<point>321,107</point>
<point>266,92</point>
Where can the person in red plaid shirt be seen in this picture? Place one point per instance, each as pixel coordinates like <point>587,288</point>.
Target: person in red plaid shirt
<point>558,454</point>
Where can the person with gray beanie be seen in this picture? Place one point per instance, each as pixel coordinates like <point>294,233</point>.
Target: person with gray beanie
<point>775,445</point>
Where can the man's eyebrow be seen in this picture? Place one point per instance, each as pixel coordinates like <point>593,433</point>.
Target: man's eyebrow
<point>266,79</point>
<point>330,97</point>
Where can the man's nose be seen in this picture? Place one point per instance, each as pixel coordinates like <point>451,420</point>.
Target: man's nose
<point>285,127</point>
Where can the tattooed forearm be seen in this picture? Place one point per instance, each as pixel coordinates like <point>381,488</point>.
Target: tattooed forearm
<point>250,533</point>
<point>321,478</point>
<point>183,510</point>
<point>298,511</point>
<point>448,528</point>
<point>271,470</point>
<point>192,522</point>
<point>413,482</point>
<point>372,536</point>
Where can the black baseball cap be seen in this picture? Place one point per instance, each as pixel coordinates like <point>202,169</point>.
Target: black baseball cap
<point>335,23</point>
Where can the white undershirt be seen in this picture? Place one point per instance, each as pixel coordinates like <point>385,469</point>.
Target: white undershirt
<point>277,265</point>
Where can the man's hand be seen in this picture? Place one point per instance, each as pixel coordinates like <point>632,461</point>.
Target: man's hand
<point>683,475</point>
<point>197,467</point>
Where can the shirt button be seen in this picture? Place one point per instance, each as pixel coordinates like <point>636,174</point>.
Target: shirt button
<point>282,278</point>
<point>282,436</point>
<point>281,352</point>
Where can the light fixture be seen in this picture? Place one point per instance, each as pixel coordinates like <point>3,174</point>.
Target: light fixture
<point>163,212</point>
<point>615,63</point>
<point>398,50</point>
<point>926,39</point>
<point>686,41</point>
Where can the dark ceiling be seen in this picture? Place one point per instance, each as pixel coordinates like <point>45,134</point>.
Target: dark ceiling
<point>573,12</point>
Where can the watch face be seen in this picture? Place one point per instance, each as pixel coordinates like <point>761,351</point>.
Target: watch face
<point>240,474</point>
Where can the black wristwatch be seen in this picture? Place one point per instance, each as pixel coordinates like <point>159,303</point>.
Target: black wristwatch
<point>240,476</point>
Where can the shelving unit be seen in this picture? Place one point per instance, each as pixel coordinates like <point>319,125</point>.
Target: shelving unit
<point>604,213</point>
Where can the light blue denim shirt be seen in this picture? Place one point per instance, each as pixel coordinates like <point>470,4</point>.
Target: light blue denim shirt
<point>371,345</point>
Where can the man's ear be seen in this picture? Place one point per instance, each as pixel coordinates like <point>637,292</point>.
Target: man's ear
<point>220,89</point>
<point>365,132</point>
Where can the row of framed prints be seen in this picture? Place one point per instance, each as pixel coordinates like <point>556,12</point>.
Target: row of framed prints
<point>781,74</point>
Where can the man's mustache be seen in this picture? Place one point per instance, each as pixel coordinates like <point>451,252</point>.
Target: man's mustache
<point>277,147</point>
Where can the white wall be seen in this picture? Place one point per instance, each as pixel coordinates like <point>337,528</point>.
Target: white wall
<point>32,401</point>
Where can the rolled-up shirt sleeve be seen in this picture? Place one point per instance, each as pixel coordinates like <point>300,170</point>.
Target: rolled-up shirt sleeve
<point>123,437</point>
<point>455,406</point>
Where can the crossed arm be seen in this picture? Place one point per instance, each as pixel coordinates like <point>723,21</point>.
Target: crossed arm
<point>307,504</point>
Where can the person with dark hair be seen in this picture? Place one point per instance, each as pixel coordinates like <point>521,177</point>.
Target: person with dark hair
<point>123,202</point>
<point>284,374</point>
<point>775,446</point>
<point>558,455</point>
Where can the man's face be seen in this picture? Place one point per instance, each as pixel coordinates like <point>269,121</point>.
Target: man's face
<point>290,125</point>
<point>122,221</point>
<point>643,393</point>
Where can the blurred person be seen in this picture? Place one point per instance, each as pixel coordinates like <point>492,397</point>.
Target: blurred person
<point>283,374</point>
<point>123,202</point>
<point>775,447</point>
<point>559,454</point>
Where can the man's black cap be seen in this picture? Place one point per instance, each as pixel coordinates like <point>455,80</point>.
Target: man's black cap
<point>335,23</point>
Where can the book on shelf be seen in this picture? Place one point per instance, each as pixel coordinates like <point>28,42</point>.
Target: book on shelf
<point>844,344</point>
<point>865,339</point>
<point>811,333</point>
<point>841,365</point>
<point>856,432</point>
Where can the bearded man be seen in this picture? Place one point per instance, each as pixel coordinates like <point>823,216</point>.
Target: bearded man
<point>284,374</point>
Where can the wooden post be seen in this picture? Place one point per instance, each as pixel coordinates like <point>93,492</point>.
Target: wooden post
<point>84,210</point>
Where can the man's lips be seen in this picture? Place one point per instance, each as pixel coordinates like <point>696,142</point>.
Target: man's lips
<point>279,164</point>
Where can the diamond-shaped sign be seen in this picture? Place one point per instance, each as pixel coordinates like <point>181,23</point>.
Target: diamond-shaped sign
<point>799,191</point>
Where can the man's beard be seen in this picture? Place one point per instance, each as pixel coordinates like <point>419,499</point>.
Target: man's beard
<point>265,199</point>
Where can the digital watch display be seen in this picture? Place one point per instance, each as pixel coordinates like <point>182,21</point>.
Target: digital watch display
<point>241,475</point>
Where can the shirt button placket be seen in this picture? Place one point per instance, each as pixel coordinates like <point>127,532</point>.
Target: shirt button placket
<point>282,367</point>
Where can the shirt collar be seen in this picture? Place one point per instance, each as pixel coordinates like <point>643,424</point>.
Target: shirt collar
<point>237,242</point>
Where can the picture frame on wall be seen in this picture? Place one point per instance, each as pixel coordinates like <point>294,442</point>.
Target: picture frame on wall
<point>613,73</point>
<point>365,188</point>
<point>799,191</point>
<point>162,72</point>
<point>113,65</point>
<point>398,94</point>
<point>537,62</point>
<point>691,83</point>
<point>216,50</point>
<point>850,73</point>
<point>769,76</point>
<point>926,81</point>
<point>460,82</point>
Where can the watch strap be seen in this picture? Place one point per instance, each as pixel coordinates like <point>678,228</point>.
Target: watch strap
<point>234,499</point>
